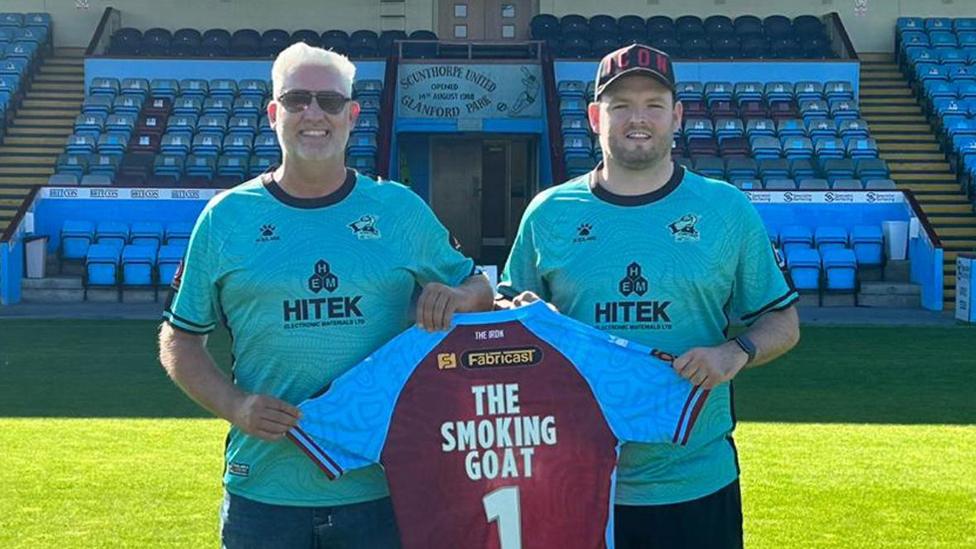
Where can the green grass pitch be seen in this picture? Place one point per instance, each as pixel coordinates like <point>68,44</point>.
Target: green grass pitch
<point>861,437</point>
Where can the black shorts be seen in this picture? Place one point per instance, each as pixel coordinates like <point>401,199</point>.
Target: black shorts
<point>710,522</point>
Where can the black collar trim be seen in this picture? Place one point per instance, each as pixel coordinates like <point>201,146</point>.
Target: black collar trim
<point>638,199</point>
<point>267,179</point>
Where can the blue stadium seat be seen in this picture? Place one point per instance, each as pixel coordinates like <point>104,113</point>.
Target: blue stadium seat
<point>169,165</point>
<point>691,91</point>
<point>710,166</point>
<point>129,105</point>
<point>773,168</point>
<point>838,168</point>
<point>780,184</point>
<point>177,233</point>
<point>186,43</point>
<point>939,89</point>
<point>122,123</point>
<point>942,39</point>
<point>829,147</point>
<point>362,143</point>
<point>146,233</point>
<point>217,106</point>
<point>802,168</point>
<point>363,164</point>
<point>104,164</point>
<point>167,261</point>
<point>804,267</point>
<point>852,128</point>
<point>367,122</point>
<point>238,145</point>
<point>952,57</point>
<point>135,87</point>
<point>797,147</point>
<point>830,236</point>
<point>698,127</point>
<point>847,185</point>
<point>266,144</point>
<point>868,242</point>
<point>102,265</point>
<point>75,164</point>
<point>909,23</point>
<point>368,88</point>
<point>248,106</point>
<point>571,89</point>
<point>741,168</point>
<point>808,91</point>
<point>112,233</point>
<point>200,167</point>
<point>80,145</point>
<point>871,168</point>
<point>138,265</point>
<point>213,125</point>
<point>164,87</point>
<point>862,148</point>
<point>814,109</point>
<point>961,73</point>
<point>243,125</point>
<point>262,163</point>
<point>194,88</point>
<point>104,86</point>
<point>233,166</point>
<point>76,238</point>
<point>207,144</point>
<point>813,184</point>
<point>840,269</point>
<point>760,127</point>
<point>818,128</point>
<point>930,71</point>
<point>718,91</point>
<point>186,105</point>
<point>766,147</point>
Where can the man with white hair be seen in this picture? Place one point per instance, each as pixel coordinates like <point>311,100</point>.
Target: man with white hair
<point>311,267</point>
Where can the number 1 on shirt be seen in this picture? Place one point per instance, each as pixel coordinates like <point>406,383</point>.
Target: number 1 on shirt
<point>502,506</point>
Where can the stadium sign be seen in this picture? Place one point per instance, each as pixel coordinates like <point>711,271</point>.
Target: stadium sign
<point>470,91</point>
<point>825,197</point>
<point>113,193</point>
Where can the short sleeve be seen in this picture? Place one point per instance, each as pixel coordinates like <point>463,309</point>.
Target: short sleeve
<point>437,259</point>
<point>760,284</point>
<point>345,428</point>
<point>640,395</point>
<point>191,305</point>
<point>522,268</point>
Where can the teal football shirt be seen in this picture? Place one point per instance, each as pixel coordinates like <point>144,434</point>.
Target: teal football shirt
<point>668,269</point>
<point>307,288</point>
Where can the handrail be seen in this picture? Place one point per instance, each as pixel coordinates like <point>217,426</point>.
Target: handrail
<point>8,234</point>
<point>110,16</point>
<point>552,119</point>
<point>923,219</point>
<point>837,26</point>
<point>389,107</point>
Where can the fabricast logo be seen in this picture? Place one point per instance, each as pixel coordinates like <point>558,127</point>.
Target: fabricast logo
<point>321,312</point>
<point>365,227</point>
<point>634,282</point>
<point>267,233</point>
<point>633,315</point>
<point>322,278</point>
<point>684,230</point>
<point>494,358</point>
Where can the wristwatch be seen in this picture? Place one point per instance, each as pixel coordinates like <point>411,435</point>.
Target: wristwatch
<point>747,346</point>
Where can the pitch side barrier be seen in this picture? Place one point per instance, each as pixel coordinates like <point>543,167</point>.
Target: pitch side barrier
<point>849,208</point>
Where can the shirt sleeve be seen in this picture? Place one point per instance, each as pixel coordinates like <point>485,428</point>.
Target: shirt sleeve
<point>522,271</point>
<point>760,285</point>
<point>437,258</point>
<point>191,305</point>
<point>346,427</point>
<point>640,395</point>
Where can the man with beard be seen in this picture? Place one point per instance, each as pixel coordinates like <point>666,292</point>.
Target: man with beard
<point>647,251</point>
<point>311,267</point>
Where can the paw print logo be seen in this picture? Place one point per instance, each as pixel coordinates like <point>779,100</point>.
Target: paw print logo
<point>267,230</point>
<point>322,278</point>
<point>584,229</point>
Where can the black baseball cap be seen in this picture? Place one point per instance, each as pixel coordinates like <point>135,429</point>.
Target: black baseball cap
<point>634,59</point>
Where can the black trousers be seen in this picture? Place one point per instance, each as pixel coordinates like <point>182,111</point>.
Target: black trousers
<point>710,522</point>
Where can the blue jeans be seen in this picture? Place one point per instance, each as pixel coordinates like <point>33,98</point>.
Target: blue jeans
<point>246,524</point>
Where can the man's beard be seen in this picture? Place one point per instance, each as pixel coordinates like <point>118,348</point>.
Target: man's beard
<point>638,158</point>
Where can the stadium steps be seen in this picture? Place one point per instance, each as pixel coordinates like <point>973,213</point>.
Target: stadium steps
<point>907,141</point>
<point>44,120</point>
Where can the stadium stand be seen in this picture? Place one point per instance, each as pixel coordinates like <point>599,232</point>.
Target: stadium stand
<point>191,133</point>
<point>250,43</point>
<point>689,36</point>
<point>729,133</point>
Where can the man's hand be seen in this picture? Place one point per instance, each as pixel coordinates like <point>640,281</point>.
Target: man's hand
<point>710,366</point>
<point>525,298</point>
<point>437,305</point>
<point>265,417</point>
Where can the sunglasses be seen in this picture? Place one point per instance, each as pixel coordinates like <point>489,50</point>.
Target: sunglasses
<point>295,101</point>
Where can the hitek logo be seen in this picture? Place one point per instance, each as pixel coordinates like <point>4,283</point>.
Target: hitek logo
<point>626,314</point>
<point>322,311</point>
